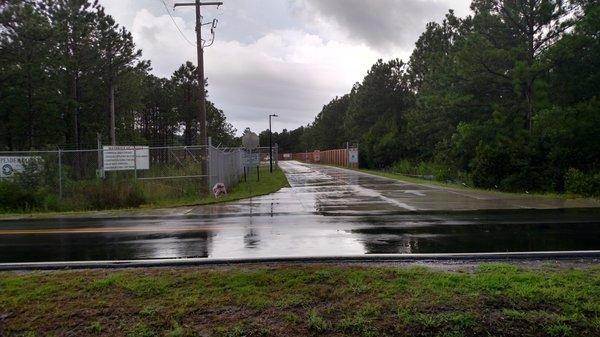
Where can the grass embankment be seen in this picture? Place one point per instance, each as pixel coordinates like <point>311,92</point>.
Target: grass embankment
<point>268,183</point>
<point>399,176</point>
<point>492,300</point>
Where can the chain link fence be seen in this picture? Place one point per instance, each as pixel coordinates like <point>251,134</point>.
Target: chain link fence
<point>226,166</point>
<point>83,180</point>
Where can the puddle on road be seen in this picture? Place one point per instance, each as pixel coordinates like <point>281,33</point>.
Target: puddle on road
<point>324,213</point>
<point>310,235</point>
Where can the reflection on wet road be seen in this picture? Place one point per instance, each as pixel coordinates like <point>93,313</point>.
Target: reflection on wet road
<point>326,211</point>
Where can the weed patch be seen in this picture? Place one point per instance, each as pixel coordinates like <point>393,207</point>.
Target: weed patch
<point>304,301</point>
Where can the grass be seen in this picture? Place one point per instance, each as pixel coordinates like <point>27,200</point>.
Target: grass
<point>308,300</point>
<point>398,176</point>
<point>269,183</point>
<point>415,180</point>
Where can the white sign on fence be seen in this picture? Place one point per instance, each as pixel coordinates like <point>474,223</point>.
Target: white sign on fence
<point>251,159</point>
<point>317,156</point>
<point>11,165</point>
<point>353,156</point>
<point>122,158</point>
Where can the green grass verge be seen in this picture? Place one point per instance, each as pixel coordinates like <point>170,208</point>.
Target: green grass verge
<point>268,183</point>
<point>491,300</point>
<point>398,176</point>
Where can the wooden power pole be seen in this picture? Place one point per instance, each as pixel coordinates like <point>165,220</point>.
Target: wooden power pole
<point>203,141</point>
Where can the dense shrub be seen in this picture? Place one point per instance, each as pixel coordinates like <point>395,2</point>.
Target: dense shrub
<point>381,145</point>
<point>15,198</point>
<point>428,170</point>
<point>26,191</point>
<point>106,195</point>
<point>587,185</point>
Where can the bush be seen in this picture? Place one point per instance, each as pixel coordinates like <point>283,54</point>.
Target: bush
<point>382,145</point>
<point>587,185</point>
<point>425,169</point>
<point>26,191</point>
<point>16,198</point>
<point>107,195</point>
<point>507,166</point>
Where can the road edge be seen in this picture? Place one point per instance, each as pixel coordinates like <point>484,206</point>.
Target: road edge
<point>366,258</point>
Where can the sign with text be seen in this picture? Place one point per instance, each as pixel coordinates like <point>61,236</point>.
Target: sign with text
<point>353,156</point>
<point>317,156</point>
<point>251,159</point>
<point>123,158</point>
<point>15,164</point>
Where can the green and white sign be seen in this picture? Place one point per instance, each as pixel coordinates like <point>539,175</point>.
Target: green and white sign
<point>9,166</point>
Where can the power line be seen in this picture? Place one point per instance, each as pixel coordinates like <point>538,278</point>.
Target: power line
<point>177,26</point>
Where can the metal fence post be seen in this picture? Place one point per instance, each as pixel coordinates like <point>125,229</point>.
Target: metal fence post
<point>211,163</point>
<point>347,154</point>
<point>135,163</point>
<point>226,165</point>
<point>60,191</point>
<point>100,156</point>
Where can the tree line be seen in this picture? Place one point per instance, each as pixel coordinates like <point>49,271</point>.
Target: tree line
<point>505,98</point>
<point>68,71</point>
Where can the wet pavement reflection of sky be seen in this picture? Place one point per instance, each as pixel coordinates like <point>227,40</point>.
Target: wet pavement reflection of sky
<point>326,211</point>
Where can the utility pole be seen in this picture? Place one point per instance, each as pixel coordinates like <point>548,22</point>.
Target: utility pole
<point>203,137</point>
<point>111,95</point>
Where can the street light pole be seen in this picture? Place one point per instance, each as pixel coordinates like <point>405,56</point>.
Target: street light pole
<point>271,144</point>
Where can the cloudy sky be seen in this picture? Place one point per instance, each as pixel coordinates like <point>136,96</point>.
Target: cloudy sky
<point>288,57</point>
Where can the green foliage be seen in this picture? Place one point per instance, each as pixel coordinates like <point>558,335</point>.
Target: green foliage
<point>316,322</point>
<point>570,135</point>
<point>585,184</point>
<point>63,61</point>
<point>505,98</point>
<point>27,190</point>
<point>140,330</point>
<point>381,145</point>
<point>426,170</point>
<point>95,328</point>
<point>15,198</point>
<point>533,300</point>
<point>499,166</point>
<point>109,194</point>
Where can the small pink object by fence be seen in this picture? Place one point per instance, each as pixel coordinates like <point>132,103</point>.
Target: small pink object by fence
<point>219,190</point>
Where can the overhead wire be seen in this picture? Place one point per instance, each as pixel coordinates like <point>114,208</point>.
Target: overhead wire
<point>176,25</point>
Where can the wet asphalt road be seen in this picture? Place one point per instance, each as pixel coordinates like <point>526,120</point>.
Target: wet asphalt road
<point>326,211</point>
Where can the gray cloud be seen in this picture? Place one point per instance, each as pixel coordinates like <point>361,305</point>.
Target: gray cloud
<point>383,24</point>
<point>286,57</point>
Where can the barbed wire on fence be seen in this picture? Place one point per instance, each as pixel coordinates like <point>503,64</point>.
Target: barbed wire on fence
<point>172,171</point>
